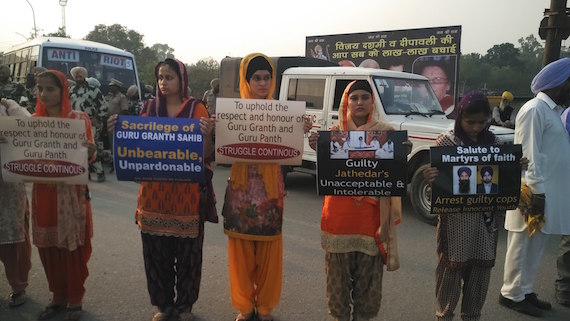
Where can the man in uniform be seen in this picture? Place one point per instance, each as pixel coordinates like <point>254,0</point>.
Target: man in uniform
<point>89,99</point>
<point>210,96</point>
<point>8,88</point>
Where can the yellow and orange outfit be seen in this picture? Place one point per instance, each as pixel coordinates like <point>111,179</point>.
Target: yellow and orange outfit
<point>62,222</point>
<point>359,237</point>
<point>253,217</point>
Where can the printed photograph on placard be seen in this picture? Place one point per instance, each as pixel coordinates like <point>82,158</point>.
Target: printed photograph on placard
<point>463,182</point>
<point>361,144</point>
<point>369,163</point>
<point>475,178</point>
<point>487,180</point>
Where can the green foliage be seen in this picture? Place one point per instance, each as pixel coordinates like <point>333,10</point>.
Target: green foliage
<point>118,36</point>
<point>146,61</point>
<point>146,57</point>
<point>503,55</point>
<point>59,33</point>
<point>131,41</point>
<point>200,75</point>
<point>530,47</point>
<point>163,51</point>
<point>504,67</point>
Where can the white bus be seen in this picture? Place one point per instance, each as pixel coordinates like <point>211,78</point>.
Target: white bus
<point>102,61</point>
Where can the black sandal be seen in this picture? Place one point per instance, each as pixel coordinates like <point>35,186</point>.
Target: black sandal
<point>265,317</point>
<point>73,313</point>
<point>245,317</point>
<point>17,299</point>
<point>51,310</point>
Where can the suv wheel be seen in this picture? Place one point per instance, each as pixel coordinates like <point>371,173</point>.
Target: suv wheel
<point>420,196</point>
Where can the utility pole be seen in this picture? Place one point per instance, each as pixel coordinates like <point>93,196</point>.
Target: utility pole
<point>63,3</point>
<point>35,34</point>
<point>554,27</point>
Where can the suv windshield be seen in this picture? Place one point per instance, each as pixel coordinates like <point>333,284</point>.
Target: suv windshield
<point>407,96</point>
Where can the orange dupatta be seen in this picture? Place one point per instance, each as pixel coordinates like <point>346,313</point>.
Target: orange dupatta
<point>269,172</point>
<point>390,207</point>
<point>72,206</point>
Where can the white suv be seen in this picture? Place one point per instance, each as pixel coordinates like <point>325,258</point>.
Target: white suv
<point>406,100</point>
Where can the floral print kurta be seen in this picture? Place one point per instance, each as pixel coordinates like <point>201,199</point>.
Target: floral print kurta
<point>249,214</point>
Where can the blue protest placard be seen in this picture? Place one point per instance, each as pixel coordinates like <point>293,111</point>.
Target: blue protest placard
<point>158,149</point>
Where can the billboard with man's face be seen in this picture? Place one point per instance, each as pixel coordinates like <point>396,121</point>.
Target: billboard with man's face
<point>431,52</point>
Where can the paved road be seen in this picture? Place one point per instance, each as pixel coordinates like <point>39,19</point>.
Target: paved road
<point>116,287</point>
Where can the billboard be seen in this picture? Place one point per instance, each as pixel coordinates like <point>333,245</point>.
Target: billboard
<point>432,52</point>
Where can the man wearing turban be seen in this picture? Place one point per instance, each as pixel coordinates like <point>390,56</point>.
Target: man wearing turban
<point>89,99</point>
<point>464,176</point>
<point>546,144</point>
<point>487,186</point>
<point>504,114</point>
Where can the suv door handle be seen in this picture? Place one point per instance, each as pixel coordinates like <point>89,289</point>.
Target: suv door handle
<point>334,117</point>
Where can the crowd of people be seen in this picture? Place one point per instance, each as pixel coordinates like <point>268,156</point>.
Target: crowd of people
<point>358,233</point>
<point>85,96</point>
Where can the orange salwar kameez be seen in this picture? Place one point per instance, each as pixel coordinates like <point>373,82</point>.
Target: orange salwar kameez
<point>62,224</point>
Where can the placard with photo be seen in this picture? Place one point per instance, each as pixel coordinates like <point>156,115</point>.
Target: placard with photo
<point>362,163</point>
<point>475,178</point>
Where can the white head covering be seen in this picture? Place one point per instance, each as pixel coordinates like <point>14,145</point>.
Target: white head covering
<point>78,70</point>
<point>93,82</point>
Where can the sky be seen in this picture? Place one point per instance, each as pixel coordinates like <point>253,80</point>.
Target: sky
<point>215,29</point>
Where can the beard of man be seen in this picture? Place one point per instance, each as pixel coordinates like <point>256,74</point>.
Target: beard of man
<point>464,186</point>
<point>503,104</point>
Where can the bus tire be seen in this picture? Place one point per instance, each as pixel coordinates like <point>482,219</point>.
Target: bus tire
<point>420,196</point>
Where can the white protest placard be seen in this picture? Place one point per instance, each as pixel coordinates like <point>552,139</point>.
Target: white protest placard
<point>258,130</point>
<point>43,149</point>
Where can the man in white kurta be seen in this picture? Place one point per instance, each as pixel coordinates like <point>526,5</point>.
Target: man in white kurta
<point>546,144</point>
<point>562,284</point>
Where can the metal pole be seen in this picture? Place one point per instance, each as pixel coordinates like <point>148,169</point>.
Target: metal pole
<point>554,35</point>
<point>63,3</point>
<point>63,19</point>
<point>34,16</point>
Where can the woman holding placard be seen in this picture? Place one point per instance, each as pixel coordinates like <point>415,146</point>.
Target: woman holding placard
<point>168,213</point>
<point>253,213</point>
<point>358,233</point>
<point>466,242</point>
<point>15,247</point>
<point>61,213</point>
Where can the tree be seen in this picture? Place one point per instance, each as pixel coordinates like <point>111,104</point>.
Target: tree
<point>504,67</point>
<point>131,41</point>
<point>473,71</point>
<point>162,51</point>
<point>530,47</point>
<point>118,36</point>
<point>200,75</point>
<point>59,33</point>
<point>146,61</point>
<point>503,55</point>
